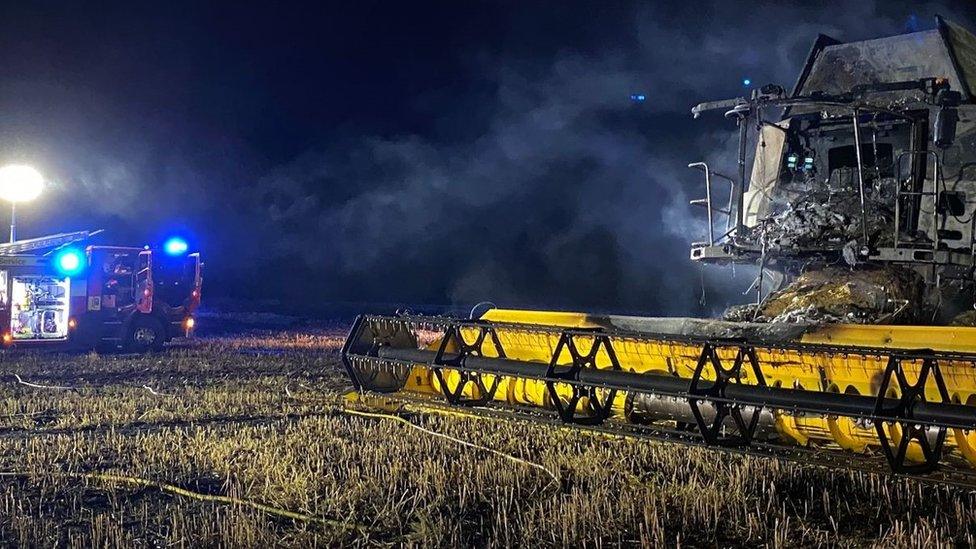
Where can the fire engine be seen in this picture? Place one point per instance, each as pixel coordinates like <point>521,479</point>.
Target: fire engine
<point>55,293</point>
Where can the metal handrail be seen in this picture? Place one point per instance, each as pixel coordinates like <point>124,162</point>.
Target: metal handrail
<point>860,178</point>
<point>707,201</point>
<point>935,193</point>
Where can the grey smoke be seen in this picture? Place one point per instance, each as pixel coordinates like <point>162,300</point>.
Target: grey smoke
<point>571,196</point>
<point>552,190</point>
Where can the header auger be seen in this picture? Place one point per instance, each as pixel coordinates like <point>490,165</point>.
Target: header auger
<point>861,206</point>
<point>755,389</point>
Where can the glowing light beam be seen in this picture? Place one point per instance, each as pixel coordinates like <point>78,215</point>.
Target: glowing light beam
<point>175,246</point>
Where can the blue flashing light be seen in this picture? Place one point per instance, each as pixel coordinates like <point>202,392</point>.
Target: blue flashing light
<point>69,262</point>
<point>175,246</point>
<point>746,82</point>
<point>638,97</point>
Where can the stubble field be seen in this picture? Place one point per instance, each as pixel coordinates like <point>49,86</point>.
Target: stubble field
<point>242,440</point>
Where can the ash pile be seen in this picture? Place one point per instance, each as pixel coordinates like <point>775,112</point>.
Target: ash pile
<point>824,225</point>
<point>840,295</point>
<point>827,219</point>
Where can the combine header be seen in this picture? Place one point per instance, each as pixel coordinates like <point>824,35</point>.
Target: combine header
<point>860,351</point>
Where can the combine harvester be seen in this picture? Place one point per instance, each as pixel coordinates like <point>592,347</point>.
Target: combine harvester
<point>860,205</point>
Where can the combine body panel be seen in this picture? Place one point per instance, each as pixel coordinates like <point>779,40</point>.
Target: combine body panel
<point>860,202</point>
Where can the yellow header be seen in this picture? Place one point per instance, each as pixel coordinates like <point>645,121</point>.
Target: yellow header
<point>939,338</point>
<point>543,318</point>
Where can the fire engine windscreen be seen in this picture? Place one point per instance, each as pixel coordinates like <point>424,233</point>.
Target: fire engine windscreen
<point>173,278</point>
<point>39,307</point>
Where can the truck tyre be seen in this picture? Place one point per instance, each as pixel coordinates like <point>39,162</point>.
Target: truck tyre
<point>144,335</point>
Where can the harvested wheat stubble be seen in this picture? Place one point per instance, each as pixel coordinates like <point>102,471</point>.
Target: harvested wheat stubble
<point>268,429</point>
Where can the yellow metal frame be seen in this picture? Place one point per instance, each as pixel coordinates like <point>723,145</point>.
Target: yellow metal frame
<point>853,374</point>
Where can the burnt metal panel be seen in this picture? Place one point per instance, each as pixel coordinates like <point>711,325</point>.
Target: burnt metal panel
<point>906,57</point>
<point>819,44</point>
<point>961,45</point>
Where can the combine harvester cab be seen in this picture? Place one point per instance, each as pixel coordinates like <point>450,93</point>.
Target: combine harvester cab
<point>860,204</point>
<point>53,293</point>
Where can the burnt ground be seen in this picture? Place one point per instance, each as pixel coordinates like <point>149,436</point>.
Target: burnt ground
<point>251,414</point>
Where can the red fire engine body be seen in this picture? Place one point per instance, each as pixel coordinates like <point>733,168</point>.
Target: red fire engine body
<point>99,297</point>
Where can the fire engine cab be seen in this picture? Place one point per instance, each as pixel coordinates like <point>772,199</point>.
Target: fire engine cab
<point>55,293</point>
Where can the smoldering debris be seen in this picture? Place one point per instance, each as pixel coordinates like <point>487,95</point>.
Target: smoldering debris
<point>826,219</point>
<point>967,318</point>
<point>889,295</point>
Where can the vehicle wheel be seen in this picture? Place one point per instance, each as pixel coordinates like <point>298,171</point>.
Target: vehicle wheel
<point>146,334</point>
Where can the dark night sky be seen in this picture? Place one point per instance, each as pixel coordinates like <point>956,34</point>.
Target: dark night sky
<point>403,151</point>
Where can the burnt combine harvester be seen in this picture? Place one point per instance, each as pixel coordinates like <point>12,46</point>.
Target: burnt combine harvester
<point>860,207</point>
